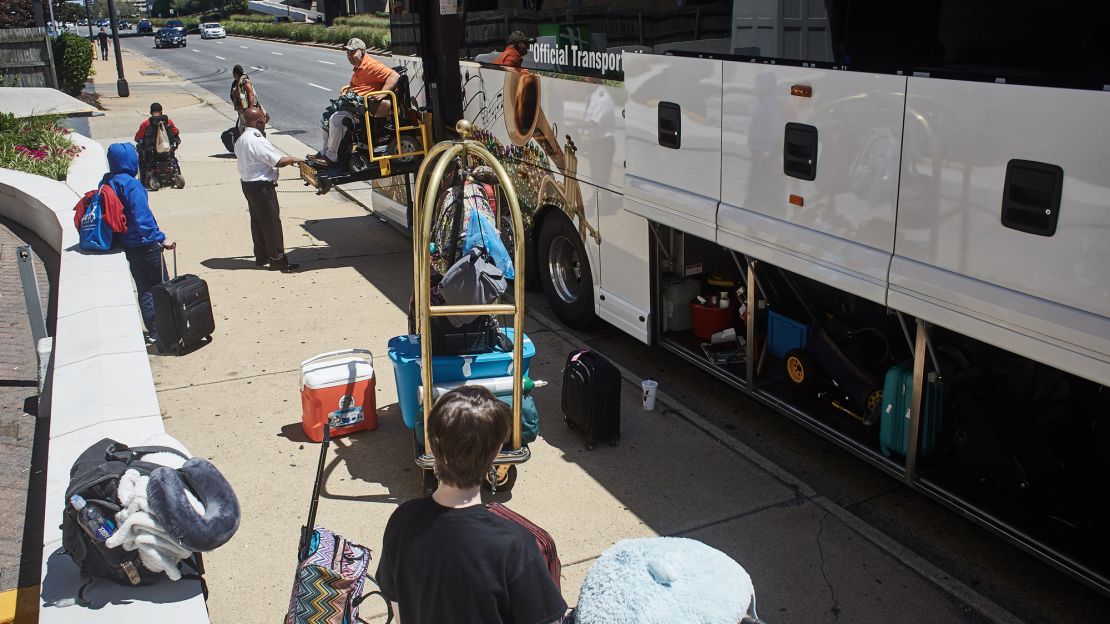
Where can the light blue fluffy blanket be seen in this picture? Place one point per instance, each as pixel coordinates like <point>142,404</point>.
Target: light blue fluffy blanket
<point>664,580</point>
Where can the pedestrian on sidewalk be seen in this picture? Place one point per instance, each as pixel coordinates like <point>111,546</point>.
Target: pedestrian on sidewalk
<point>143,241</point>
<point>258,163</point>
<point>446,559</point>
<point>103,38</point>
<point>242,94</point>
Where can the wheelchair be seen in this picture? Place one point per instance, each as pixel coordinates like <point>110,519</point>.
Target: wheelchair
<point>376,147</point>
<point>158,169</point>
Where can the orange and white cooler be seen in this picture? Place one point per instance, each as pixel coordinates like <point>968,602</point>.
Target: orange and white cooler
<point>338,387</point>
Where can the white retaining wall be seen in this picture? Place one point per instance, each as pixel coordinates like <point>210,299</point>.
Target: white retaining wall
<point>102,387</point>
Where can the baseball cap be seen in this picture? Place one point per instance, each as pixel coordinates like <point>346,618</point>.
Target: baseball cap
<point>355,44</point>
<point>519,37</point>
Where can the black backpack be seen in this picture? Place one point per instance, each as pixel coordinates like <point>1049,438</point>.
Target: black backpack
<point>95,477</point>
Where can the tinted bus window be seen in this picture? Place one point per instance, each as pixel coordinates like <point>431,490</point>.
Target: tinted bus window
<point>1025,41</point>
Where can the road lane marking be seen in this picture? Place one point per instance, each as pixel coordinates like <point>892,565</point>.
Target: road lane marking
<point>326,62</point>
<point>277,53</point>
<point>244,47</point>
<point>221,58</point>
<point>196,50</point>
<point>318,86</point>
<point>257,68</point>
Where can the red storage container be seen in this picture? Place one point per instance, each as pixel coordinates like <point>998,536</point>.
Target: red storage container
<point>338,387</point>
<point>709,320</point>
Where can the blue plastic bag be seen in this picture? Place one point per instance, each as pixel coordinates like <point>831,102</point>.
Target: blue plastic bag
<point>483,233</point>
<point>95,234</point>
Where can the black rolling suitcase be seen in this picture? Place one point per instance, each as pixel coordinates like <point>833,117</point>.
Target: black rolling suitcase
<point>592,397</point>
<point>229,137</point>
<point>182,311</point>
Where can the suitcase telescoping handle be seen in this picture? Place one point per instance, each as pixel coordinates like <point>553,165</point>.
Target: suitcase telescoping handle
<point>306,530</point>
<point>162,255</point>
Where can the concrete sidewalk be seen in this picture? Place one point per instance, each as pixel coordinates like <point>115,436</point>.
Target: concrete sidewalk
<point>236,402</point>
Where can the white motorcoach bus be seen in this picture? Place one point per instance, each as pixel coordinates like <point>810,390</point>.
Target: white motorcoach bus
<point>888,220</point>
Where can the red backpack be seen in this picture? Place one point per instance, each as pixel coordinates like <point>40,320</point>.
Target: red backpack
<point>110,206</point>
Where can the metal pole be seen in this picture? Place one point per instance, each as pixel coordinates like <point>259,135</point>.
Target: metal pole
<point>31,292</point>
<point>88,19</point>
<point>121,84</point>
<point>53,22</point>
<point>917,390</point>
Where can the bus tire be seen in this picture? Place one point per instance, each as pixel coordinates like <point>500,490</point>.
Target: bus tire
<point>565,272</point>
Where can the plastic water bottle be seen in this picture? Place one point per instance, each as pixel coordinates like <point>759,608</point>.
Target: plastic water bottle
<point>91,520</point>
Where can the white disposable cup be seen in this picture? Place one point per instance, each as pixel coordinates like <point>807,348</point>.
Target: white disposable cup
<point>649,388</point>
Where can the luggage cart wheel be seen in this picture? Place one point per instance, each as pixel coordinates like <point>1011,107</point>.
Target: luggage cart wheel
<point>799,368</point>
<point>506,479</point>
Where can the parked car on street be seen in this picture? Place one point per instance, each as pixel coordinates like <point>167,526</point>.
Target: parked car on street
<point>144,27</point>
<point>212,30</point>
<point>169,37</point>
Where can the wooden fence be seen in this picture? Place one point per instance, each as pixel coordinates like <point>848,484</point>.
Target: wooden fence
<point>26,58</point>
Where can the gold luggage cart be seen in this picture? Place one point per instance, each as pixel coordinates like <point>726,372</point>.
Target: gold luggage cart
<point>429,179</point>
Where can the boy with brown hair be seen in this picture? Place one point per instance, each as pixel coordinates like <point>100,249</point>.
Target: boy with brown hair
<point>445,558</point>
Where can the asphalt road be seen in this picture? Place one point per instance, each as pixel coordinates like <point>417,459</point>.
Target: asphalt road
<point>293,83</point>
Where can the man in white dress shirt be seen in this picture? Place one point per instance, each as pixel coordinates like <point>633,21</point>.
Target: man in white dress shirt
<point>258,163</point>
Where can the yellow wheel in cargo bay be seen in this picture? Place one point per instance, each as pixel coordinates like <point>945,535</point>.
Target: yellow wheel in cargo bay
<point>874,401</point>
<point>799,367</point>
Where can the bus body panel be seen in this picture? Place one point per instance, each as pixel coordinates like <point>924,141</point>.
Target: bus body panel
<point>843,233</point>
<point>624,268</point>
<point>954,178</point>
<point>678,186</point>
<point>953,248</point>
<point>1062,337</point>
<point>853,268</point>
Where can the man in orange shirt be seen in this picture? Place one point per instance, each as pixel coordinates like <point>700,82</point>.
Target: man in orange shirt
<point>368,76</point>
<point>514,52</point>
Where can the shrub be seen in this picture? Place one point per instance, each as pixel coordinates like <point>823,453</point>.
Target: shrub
<point>36,145</point>
<point>315,33</point>
<point>72,62</point>
<point>252,17</point>
<point>375,21</point>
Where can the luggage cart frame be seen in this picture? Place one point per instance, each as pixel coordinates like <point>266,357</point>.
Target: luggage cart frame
<point>428,180</point>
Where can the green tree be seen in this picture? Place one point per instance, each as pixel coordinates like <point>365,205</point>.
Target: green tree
<point>21,13</point>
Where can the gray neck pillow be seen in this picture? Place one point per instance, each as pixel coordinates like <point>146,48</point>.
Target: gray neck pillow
<point>199,532</point>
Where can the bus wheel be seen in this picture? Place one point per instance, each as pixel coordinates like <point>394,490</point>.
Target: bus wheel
<point>799,368</point>
<point>565,272</point>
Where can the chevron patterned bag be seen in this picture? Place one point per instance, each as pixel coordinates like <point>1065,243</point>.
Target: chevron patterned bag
<point>332,569</point>
<point>328,587</point>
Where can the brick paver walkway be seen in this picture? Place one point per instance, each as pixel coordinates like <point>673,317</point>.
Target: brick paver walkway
<point>18,402</point>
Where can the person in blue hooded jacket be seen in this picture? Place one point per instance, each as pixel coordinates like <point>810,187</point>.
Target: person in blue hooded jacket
<point>143,241</point>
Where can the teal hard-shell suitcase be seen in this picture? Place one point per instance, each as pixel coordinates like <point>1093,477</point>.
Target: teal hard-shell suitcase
<point>894,423</point>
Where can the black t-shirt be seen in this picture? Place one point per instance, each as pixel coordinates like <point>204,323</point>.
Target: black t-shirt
<point>444,565</point>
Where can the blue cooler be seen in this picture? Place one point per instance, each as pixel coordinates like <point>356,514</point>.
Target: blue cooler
<point>404,352</point>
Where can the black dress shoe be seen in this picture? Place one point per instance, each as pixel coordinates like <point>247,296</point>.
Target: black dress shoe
<point>290,268</point>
